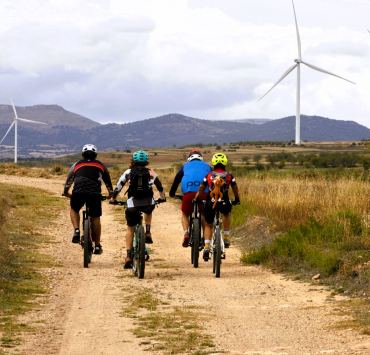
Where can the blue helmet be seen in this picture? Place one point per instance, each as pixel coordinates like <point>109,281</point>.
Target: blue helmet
<point>140,156</point>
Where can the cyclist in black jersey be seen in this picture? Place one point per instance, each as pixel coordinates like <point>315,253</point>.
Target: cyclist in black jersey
<point>86,176</point>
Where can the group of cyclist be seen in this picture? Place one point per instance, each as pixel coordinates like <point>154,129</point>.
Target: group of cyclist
<point>199,182</point>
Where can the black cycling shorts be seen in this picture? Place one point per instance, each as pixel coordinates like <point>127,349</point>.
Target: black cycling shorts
<point>133,214</point>
<point>209,212</point>
<point>93,203</point>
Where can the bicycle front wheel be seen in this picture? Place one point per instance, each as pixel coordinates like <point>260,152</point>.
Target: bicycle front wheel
<point>217,252</point>
<point>195,236</point>
<point>87,243</point>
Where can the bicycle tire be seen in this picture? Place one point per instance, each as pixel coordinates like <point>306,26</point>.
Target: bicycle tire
<point>135,252</point>
<point>217,253</point>
<point>141,253</point>
<point>191,239</point>
<point>87,252</point>
<point>195,242</point>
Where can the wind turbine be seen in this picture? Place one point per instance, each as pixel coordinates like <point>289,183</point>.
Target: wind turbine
<point>15,124</point>
<point>297,66</point>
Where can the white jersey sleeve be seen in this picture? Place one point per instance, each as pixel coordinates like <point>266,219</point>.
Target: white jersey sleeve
<point>122,181</point>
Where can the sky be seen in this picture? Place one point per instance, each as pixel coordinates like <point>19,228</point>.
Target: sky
<point>123,60</point>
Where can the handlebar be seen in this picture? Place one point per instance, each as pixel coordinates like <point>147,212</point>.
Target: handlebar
<point>124,203</point>
<point>102,197</point>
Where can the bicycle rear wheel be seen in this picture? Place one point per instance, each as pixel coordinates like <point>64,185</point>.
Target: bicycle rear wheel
<point>87,243</point>
<point>217,252</point>
<point>139,257</point>
<point>195,236</point>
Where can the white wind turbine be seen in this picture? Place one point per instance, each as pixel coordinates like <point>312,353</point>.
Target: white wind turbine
<point>15,124</point>
<point>297,66</point>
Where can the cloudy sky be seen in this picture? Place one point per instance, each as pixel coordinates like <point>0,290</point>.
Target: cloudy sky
<point>125,60</point>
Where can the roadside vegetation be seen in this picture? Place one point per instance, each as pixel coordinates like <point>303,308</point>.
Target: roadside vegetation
<point>320,227</point>
<point>24,213</point>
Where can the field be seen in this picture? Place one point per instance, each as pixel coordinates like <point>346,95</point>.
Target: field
<point>305,212</point>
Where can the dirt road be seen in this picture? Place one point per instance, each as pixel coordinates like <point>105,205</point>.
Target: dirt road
<point>251,310</point>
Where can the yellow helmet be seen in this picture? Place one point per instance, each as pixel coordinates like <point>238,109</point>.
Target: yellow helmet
<point>219,158</point>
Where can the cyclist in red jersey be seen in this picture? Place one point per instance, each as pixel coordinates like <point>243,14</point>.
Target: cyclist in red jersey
<point>222,202</point>
<point>86,176</point>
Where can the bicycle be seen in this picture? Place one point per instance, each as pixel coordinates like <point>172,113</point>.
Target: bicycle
<point>87,235</point>
<point>139,252</point>
<point>195,232</point>
<point>217,247</point>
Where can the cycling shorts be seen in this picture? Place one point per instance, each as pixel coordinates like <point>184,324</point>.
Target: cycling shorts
<point>187,203</point>
<point>209,212</point>
<point>133,214</point>
<point>92,201</point>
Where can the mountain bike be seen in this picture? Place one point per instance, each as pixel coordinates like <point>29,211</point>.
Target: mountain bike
<point>139,251</point>
<point>87,236</point>
<point>195,232</point>
<point>87,239</point>
<point>217,247</point>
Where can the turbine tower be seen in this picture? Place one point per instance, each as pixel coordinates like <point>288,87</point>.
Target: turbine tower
<point>15,124</point>
<point>297,66</point>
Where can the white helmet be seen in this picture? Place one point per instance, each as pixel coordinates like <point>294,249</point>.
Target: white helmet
<point>195,156</point>
<point>89,151</point>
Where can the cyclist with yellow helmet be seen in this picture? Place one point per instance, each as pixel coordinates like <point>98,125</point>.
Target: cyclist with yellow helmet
<point>221,180</point>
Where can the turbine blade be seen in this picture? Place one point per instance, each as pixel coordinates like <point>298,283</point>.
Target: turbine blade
<point>10,127</point>
<point>297,30</point>
<point>314,67</point>
<point>15,111</point>
<point>280,80</point>
<point>30,121</point>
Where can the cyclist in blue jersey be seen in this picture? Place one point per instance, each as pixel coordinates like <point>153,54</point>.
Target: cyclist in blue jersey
<point>190,176</point>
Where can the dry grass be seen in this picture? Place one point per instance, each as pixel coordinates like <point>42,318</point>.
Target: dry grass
<point>166,329</point>
<point>24,212</point>
<point>47,172</point>
<point>289,202</point>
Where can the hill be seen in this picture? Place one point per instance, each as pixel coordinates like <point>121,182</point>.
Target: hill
<point>53,115</point>
<point>67,132</point>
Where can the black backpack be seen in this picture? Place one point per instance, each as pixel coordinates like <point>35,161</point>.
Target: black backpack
<point>140,183</point>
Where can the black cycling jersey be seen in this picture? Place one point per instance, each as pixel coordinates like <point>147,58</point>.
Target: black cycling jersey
<point>86,176</point>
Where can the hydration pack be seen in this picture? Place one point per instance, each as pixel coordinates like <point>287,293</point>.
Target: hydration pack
<point>140,183</point>
<point>222,187</point>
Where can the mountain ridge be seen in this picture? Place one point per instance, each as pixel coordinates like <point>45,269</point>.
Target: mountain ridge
<point>67,131</point>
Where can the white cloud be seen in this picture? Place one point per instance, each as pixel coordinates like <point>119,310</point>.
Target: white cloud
<point>122,60</point>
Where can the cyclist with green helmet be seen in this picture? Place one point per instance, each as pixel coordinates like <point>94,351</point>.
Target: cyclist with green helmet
<point>222,180</point>
<point>140,198</point>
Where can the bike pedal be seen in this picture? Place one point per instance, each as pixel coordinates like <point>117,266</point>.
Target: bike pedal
<point>223,256</point>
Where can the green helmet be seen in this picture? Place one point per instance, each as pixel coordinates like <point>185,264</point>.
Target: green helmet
<point>140,156</point>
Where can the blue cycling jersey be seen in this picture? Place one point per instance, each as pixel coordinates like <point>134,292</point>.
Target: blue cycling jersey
<point>194,173</point>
